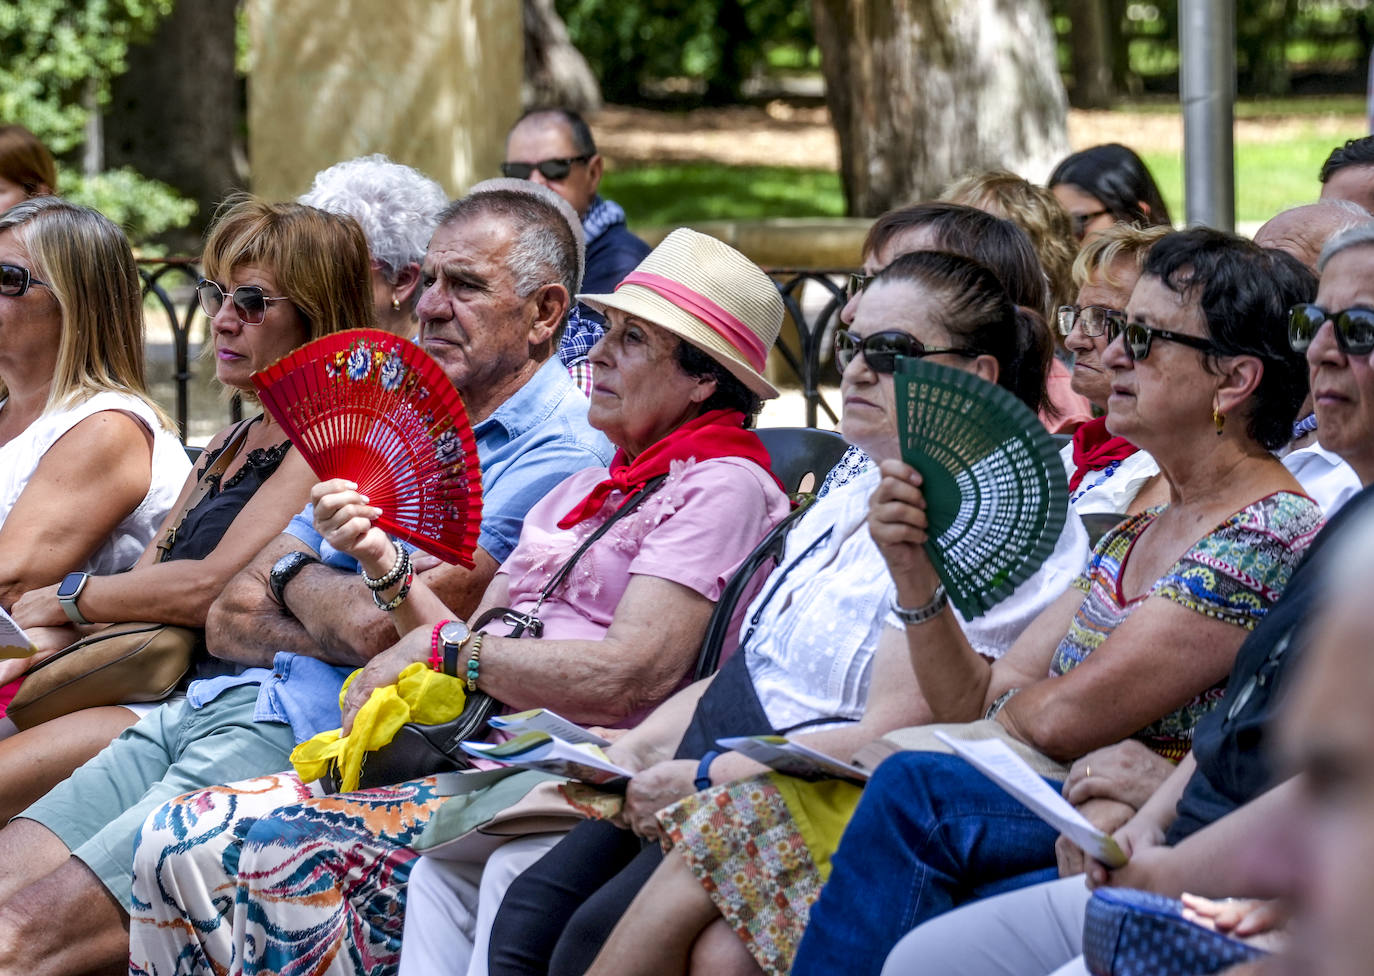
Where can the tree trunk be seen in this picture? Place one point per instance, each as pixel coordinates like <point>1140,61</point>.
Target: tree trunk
<point>556,73</point>
<point>176,115</point>
<point>1091,54</point>
<point>922,92</point>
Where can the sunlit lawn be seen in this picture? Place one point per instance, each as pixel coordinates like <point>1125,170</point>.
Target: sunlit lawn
<point>1270,176</point>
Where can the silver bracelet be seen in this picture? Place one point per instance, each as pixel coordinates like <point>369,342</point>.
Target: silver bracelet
<point>1000,703</point>
<point>919,615</point>
<point>398,569</point>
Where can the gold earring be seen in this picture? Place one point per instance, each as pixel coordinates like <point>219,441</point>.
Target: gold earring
<point>1219,419</point>
<point>395,304</point>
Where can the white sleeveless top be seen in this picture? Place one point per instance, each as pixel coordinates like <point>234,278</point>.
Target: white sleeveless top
<point>19,458</point>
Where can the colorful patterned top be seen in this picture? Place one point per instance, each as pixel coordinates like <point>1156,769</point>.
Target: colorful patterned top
<point>1234,574</point>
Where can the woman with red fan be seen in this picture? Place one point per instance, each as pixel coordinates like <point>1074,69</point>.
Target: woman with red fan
<point>677,376</point>
<point>277,275</point>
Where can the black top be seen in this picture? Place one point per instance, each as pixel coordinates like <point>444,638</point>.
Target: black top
<point>610,258</point>
<point>1229,744</point>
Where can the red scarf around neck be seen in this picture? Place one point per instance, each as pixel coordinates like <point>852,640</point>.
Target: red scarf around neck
<point>1094,448</point>
<point>717,433</point>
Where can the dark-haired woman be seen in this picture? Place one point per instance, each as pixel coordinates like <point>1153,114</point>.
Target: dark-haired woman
<point>1138,647</point>
<point>26,167</point>
<point>1107,185</point>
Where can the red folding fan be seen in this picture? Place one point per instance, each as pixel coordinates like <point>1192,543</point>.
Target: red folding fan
<point>374,408</point>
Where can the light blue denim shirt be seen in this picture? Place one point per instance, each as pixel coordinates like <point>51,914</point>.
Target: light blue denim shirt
<point>527,446</point>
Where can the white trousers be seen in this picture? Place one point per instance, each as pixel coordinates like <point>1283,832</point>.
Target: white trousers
<point>451,905</point>
<point>1029,932</point>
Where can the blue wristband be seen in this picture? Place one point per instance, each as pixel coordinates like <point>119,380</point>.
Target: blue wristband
<point>703,780</point>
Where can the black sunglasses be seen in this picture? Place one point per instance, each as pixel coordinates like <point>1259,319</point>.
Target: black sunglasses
<point>881,349</point>
<point>1354,328</point>
<point>1139,337</point>
<point>250,304</point>
<point>1080,221</point>
<point>857,283</point>
<point>15,281</point>
<point>550,169</point>
<point>1095,320</point>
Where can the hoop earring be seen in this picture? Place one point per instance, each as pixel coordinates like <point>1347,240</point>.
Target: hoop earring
<point>1219,419</point>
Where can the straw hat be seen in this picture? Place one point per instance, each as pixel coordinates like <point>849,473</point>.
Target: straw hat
<point>706,292</point>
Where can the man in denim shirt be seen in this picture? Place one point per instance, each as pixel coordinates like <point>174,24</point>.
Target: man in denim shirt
<point>499,275</point>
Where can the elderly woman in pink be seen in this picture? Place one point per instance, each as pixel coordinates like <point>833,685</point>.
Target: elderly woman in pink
<point>676,376</point>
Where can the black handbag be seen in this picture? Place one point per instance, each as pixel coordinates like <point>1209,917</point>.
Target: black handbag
<point>417,750</point>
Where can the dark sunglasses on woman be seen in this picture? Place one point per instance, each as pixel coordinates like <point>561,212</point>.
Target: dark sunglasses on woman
<point>1354,328</point>
<point>881,349</point>
<point>1139,337</point>
<point>250,304</point>
<point>1095,320</point>
<point>15,281</point>
<point>550,169</point>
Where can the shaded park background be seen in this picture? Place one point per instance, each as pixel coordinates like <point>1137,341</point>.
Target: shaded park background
<point>717,108</point>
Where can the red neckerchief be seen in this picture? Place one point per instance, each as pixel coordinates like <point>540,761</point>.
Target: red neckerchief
<point>1094,448</point>
<point>718,433</point>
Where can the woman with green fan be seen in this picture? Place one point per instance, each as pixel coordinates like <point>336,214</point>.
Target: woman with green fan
<point>1140,646</point>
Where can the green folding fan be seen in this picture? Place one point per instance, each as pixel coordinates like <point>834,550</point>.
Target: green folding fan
<point>995,490</point>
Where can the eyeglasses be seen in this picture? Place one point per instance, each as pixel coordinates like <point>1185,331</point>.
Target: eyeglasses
<point>881,349</point>
<point>1095,320</point>
<point>250,304</point>
<point>1139,337</point>
<point>1080,221</point>
<point>15,281</point>
<point>1354,328</point>
<point>856,284</point>
<point>550,169</point>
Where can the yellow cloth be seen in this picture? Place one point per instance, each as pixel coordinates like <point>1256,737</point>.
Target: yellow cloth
<point>420,694</point>
<point>821,810</point>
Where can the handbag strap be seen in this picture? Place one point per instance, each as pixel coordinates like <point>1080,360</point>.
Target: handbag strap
<point>207,480</point>
<point>627,507</point>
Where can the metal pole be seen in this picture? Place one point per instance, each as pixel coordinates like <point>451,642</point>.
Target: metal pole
<point>1207,83</point>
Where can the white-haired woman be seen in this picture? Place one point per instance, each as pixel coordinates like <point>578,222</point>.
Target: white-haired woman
<point>397,207</point>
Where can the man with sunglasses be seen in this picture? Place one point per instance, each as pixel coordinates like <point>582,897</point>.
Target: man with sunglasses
<point>554,147</point>
<point>1197,832</point>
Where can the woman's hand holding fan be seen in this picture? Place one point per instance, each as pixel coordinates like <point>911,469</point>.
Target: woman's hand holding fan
<point>374,409</point>
<point>898,523</point>
<point>347,519</point>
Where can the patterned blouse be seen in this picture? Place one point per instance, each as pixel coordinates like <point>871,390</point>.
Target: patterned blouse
<point>1233,574</point>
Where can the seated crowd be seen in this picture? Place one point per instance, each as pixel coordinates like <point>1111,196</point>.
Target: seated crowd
<point>1210,390</point>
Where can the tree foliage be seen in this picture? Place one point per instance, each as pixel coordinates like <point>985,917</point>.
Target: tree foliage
<point>57,59</point>
<point>719,43</point>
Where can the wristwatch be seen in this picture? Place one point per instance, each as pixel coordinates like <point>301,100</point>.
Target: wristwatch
<point>284,570</point>
<point>68,591</point>
<point>453,635</point>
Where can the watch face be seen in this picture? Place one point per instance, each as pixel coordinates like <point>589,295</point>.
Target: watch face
<point>454,632</point>
<point>70,586</point>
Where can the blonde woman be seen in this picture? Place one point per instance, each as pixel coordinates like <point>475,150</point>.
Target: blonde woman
<point>88,464</point>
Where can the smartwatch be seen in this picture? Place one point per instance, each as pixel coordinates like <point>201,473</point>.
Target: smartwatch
<point>68,591</point>
<point>284,570</point>
<point>453,635</point>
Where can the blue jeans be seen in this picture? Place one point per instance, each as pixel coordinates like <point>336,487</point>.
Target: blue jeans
<point>930,833</point>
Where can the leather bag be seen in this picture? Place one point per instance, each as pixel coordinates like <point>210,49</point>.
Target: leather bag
<point>138,662</point>
<point>124,662</point>
<point>422,750</point>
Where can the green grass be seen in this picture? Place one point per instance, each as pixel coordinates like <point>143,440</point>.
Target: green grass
<point>1270,176</point>
<point>669,194</point>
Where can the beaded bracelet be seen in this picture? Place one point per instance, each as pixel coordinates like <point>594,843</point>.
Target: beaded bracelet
<point>396,600</point>
<point>475,661</point>
<point>436,657</point>
<point>398,569</point>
